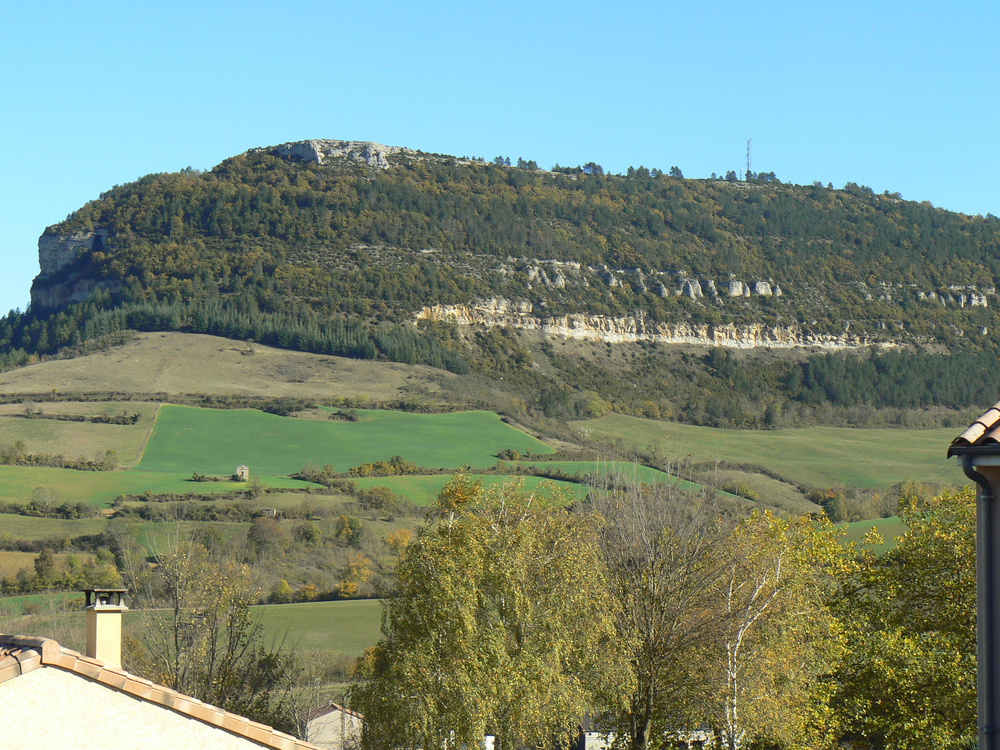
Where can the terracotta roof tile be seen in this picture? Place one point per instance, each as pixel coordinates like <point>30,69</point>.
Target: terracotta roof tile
<point>138,687</point>
<point>257,734</point>
<point>65,660</point>
<point>28,659</point>
<point>985,430</point>
<point>87,668</point>
<point>19,654</point>
<point>113,678</point>
<point>234,723</point>
<point>9,668</point>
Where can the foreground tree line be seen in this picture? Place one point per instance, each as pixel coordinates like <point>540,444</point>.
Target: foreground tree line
<point>659,616</point>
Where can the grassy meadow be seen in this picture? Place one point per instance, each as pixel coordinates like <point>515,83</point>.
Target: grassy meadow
<point>337,629</point>
<point>889,528</point>
<point>815,456</point>
<point>341,628</point>
<point>100,488</point>
<point>12,562</point>
<point>423,489</point>
<point>32,528</point>
<point>183,363</point>
<point>79,439</point>
<point>188,439</point>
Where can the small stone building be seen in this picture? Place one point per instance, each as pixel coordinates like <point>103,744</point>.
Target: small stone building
<point>334,727</point>
<point>242,473</point>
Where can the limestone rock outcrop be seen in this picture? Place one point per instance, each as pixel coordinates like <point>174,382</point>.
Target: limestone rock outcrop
<point>319,150</point>
<point>56,252</point>
<point>61,279</point>
<point>521,314</point>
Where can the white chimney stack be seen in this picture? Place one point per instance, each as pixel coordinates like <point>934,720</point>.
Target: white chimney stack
<point>104,625</point>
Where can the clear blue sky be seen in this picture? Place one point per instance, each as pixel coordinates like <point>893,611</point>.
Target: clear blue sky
<point>895,95</point>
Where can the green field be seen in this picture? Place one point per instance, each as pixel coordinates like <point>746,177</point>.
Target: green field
<point>423,490</point>
<point>28,527</point>
<point>157,537</point>
<point>213,441</point>
<point>344,628</point>
<point>814,456</point>
<point>12,562</point>
<point>16,604</point>
<point>293,500</point>
<point>101,488</point>
<point>770,493</point>
<point>338,629</point>
<point>624,469</point>
<point>79,439</point>
<point>889,528</point>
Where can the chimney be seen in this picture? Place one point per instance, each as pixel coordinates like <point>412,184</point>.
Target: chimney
<point>104,625</point>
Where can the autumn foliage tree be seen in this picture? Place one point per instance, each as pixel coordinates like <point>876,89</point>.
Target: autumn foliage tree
<point>664,549</point>
<point>909,676</point>
<point>197,635</point>
<point>503,624</point>
<point>779,640</point>
<point>724,618</point>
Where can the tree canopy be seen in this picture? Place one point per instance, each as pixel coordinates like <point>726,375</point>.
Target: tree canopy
<point>502,624</point>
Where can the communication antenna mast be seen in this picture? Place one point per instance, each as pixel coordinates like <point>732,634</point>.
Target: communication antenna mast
<point>749,141</point>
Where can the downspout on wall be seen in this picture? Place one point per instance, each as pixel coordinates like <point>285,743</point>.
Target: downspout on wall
<point>981,464</point>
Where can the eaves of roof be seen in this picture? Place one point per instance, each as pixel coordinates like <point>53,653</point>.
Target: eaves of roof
<point>981,438</point>
<point>330,707</point>
<point>20,654</point>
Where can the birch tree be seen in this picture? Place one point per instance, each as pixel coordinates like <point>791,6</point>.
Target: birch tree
<point>502,624</point>
<point>779,641</point>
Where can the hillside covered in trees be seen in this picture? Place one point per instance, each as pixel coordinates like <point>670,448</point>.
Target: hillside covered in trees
<point>382,258</point>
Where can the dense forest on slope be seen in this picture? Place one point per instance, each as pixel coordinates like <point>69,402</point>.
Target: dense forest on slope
<point>338,257</point>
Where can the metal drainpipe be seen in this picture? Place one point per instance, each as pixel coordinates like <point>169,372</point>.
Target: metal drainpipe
<point>986,615</point>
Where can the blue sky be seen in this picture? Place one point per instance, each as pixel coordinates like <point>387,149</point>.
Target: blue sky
<point>895,95</point>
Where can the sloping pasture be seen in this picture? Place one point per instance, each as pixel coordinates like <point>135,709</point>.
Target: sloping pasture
<point>814,456</point>
<point>423,490</point>
<point>101,487</point>
<point>890,528</point>
<point>212,441</point>
<point>342,628</point>
<point>79,439</point>
<point>31,528</point>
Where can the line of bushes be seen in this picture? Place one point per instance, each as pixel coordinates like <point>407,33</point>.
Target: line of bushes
<point>16,454</point>
<point>119,419</point>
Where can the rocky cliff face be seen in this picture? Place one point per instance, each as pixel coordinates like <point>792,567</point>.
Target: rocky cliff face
<point>320,150</point>
<point>520,314</point>
<point>61,259</point>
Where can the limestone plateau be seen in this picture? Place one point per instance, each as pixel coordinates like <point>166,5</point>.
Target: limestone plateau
<point>373,232</point>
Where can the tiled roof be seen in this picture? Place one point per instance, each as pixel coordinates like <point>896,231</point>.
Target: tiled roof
<point>315,713</point>
<point>983,432</point>
<point>20,654</point>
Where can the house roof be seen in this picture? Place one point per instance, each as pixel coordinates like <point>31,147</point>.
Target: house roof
<point>21,654</point>
<point>982,436</point>
<point>326,708</point>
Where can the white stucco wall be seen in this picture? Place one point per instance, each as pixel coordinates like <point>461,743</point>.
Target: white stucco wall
<point>335,730</point>
<point>53,709</point>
